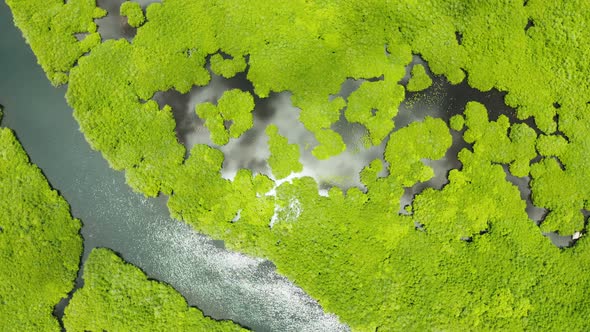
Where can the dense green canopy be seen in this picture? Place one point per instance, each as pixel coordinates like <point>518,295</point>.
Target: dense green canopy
<point>119,297</point>
<point>40,244</point>
<point>476,261</point>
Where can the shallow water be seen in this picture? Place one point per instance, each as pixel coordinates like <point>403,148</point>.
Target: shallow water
<point>222,283</point>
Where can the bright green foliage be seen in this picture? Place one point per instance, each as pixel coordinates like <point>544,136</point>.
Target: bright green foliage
<point>40,245</point>
<point>419,80</point>
<point>235,106</point>
<point>202,194</point>
<point>352,250</point>
<point>560,192</point>
<point>318,117</point>
<point>210,203</point>
<point>227,67</point>
<point>214,122</point>
<point>49,27</point>
<point>431,140</point>
<point>457,122</point>
<point>331,144</point>
<point>119,297</point>
<point>564,191</point>
<point>476,197</point>
<point>169,44</point>
<point>284,157</point>
<point>374,104</point>
<point>492,141</point>
<point>132,135</point>
<point>133,12</point>
<point>551,145</point>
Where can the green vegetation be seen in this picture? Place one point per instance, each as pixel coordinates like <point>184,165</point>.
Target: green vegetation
<point>318,119</point>
<point>431,140</point>
<point>227,67</point>
<point>419,80</point>
<point>284,157</point>
<point>374,104</point>
<point>49,27</point>
<point>476,261</point>
<point>133,12</point>
<point>234,106</point>
<point>119,297</point>
<point>134,136</point>
<point>457,122</point>
<point>40,245</point>
<point>214,122</point>
<point>40,248</point>
<point>493,143</point>
<point>201,194</point>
